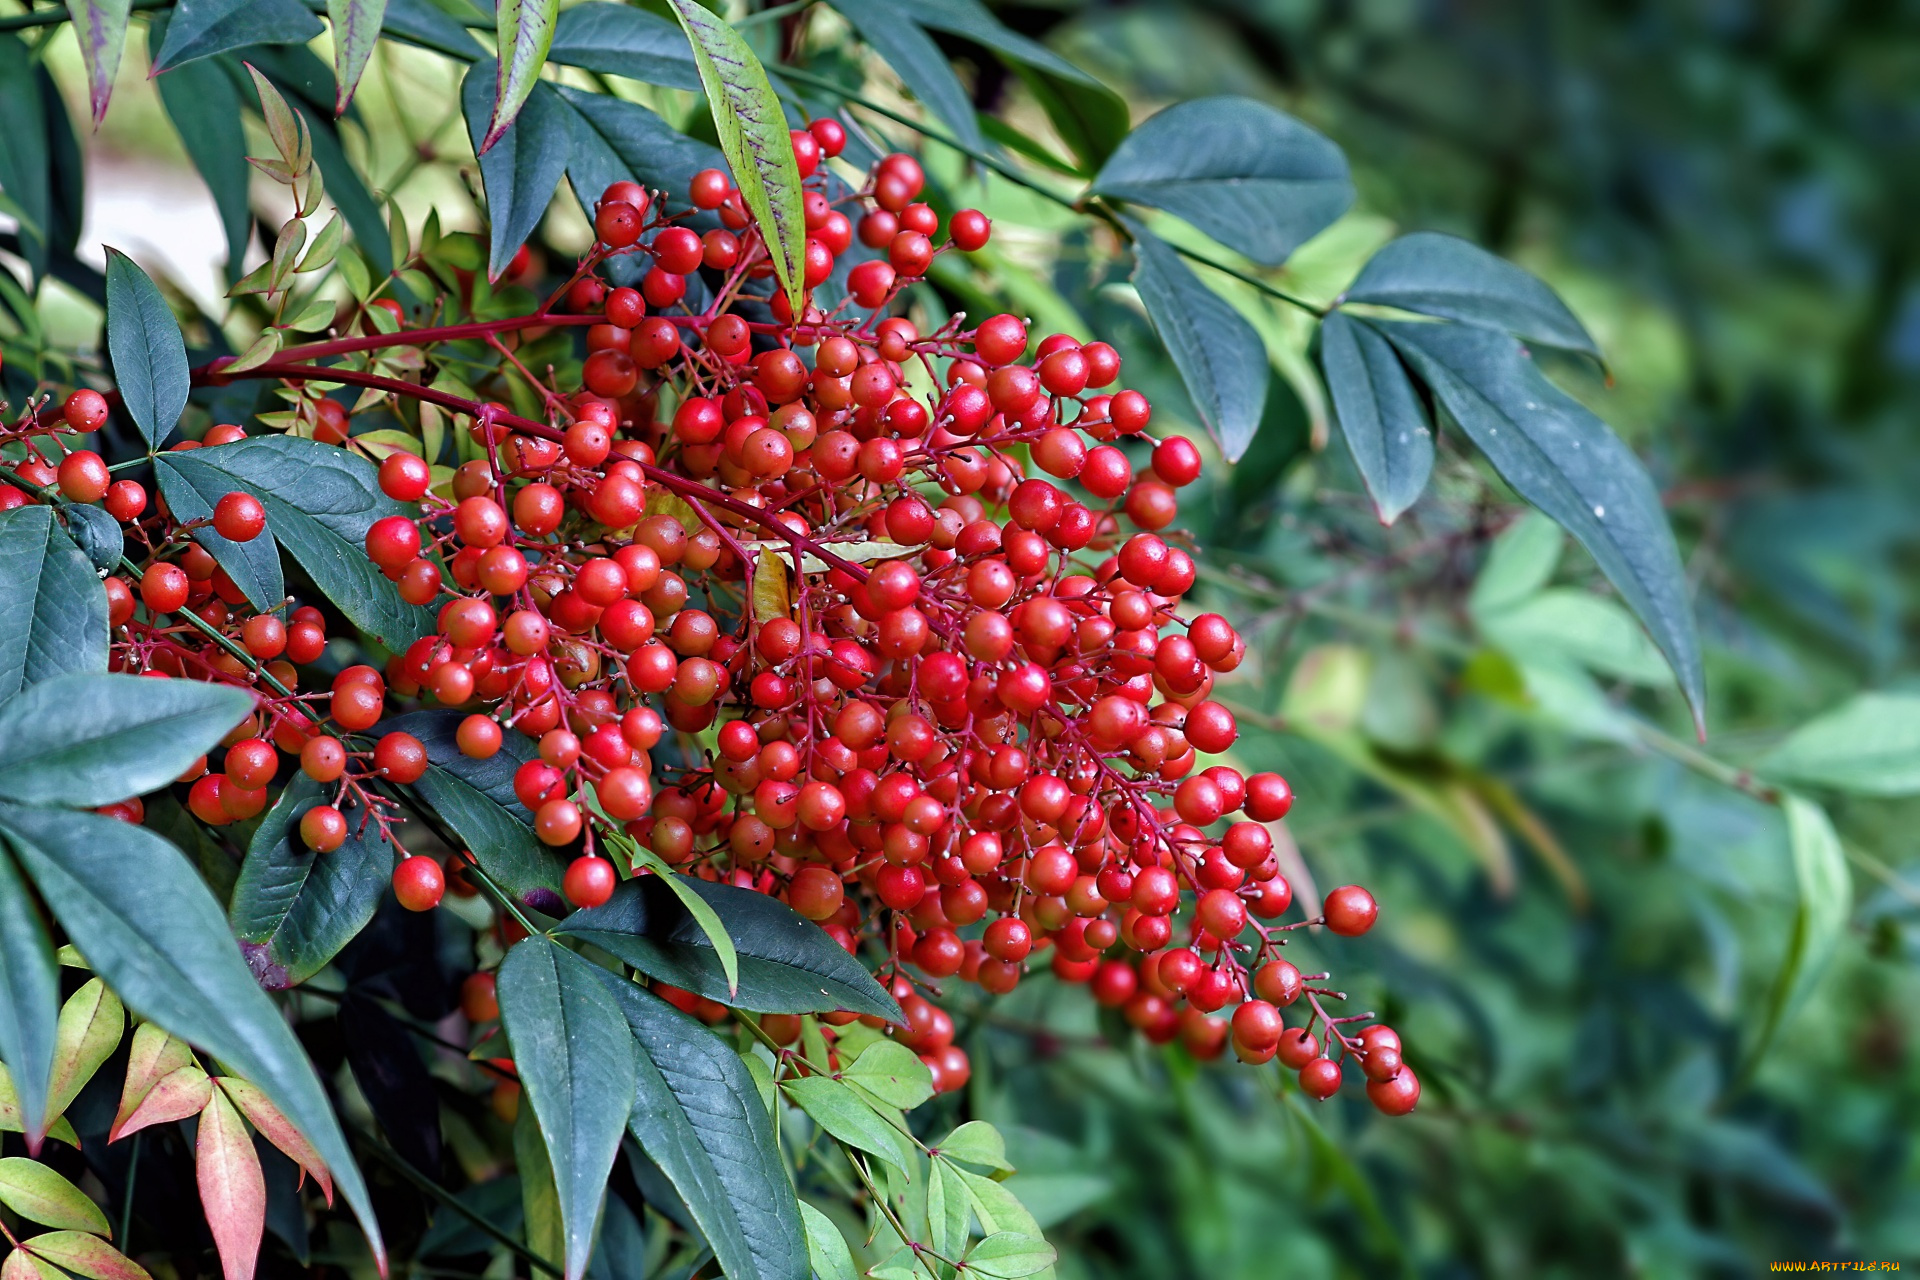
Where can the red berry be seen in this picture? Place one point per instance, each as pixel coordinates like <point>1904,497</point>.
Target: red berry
<point>589,881</point>
<point>419,883</point>
<point>239,517</point>
<point>1351,910</point>
<point>1397,1096</point>
<point>323,828</point>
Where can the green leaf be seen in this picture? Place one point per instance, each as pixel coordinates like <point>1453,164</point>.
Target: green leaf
<point>475,798</point>
<point>614,139</point>
<point>90,740</point>
<point>998,1209</point>
<point>1385,425</point>
<point>149,355</point>
<point>976,1142</point>
<point>38,1194</point>
<point>753,134</point>
<point>891,1073</point>
<point>1870,745</point>
<point>202,28</point>
<point>192,491</point>
<point>204,104</point>
<point>522,168</point>
<point>293,909</point>
<point>11,1120</point>
<point>98,535</point>
<point>356,29</point>
<point>320,502</point>
<point>81,1254</point>
<point>153,932</point>
<point>1332,1166</point>
<point>787,964</point>
<point>100,28</point>
<point>1250,176</point>
<point>1520,563</point>
<point>575,1059</point>
<point>949,1210</point>
<point>826,1248</point>
<point>850,1118</point>
<point>30,1015</point>
<point>325,246</point>
<point>55,620</point>
<point>25,159</point>
<point>91,1024</point>
<point>1565,461</point>
<point>917,60</point>
<point>315,316</point>
<point>1445,276</point>
<point>1009,1255</point>
<point>525,29</point>
<point>545,1234</point>
<point>423,23</point>
<point>1594,632</point>
<point>1220,357</point>
<point>621,40</point>
<point>698,1115</point>
<point>1819,918</point>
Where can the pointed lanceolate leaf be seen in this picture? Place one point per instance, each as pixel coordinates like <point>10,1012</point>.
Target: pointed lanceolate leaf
<point>274,1127</point>
<point>826,1248</point>
<point>181,1093</point>
<point>522,167</point>
<point>12,1122</point>
<point>698,1116</point>
<point>91,1024</point>
<point>525,29</point>
<point>475,798</point>
<point>1819,918</point>
<point>1445,276</point>
<point>100,27</point>
<point>148,925</point>
<point>614,139</point>
<point>1870,745</point>
<point>575,1058</point>
<point>624,40</point>
<point>40,1195</point>
<point>203,102</point>
<point>753,133</point>
<point>891,1073</point>
<point>917,60</point>
<point>1380,413</point>
<point>80,1254</point>
<point>1247,174</point>
<point>94,740</point>
<point>29,1016</point>
<point>153,1055</point>
<point>320,502</point>
<point>55,619</point>
<point>293,909</point>
<point>191,492</point>
<point>788,964</point>
<point>1561,458</point>
<point>848,1117</point>
<point>233,1191</point>
<point>202,28</point>
<point>356,29</point>
<point>1008,1255</point>
<point>1218,354</point>
<point>149,355</point>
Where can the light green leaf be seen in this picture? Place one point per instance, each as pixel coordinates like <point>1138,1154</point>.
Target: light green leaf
<point>100,27</point>
<point>1819,918</point>
<point>1521,562</point>
<point>1870,746</point>
<point>525,30</point>
<point>10,1117</point>
<point>1590,630</point>
<point>91,1024</point>
<point>826,1247</point>
<point>30,1014</point>
<point>976,1142</point>
<point>891,1073</point>
<point>948,1210</point>
<point>1009,1255</point>
<point>356,30</point>
<point>78,1253</point>
<point>848,1117</point>
<point>38,1194</point>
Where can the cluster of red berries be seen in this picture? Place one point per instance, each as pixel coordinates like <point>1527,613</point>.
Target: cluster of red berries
<point>883,622</point>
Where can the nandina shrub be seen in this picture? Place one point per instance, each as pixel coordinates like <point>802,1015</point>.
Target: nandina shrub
<point>669,679</point>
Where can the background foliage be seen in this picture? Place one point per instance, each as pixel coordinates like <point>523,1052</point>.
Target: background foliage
<point>1594,936</point>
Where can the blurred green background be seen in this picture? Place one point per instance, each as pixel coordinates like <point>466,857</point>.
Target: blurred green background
<point>1586,916</point>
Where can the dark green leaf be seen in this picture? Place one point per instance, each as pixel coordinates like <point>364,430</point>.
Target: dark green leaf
<point>752,129</point>
<point>423,23</point>
<point>1565,461</point>
<point>917,60</point>
<point>1219,356</point>
<point>149,355</point>
<point>575,1059</point>
<point>1380,413</point>
<point>522,168</point>
<point>1250,176</point>
<point>191,492</point>
<point>293,909</point>
<point>475,798</point>
<point>614,139</point>
<point>98,535</point>
<point>356,29</point>
<point>1441,275</point>
<point>525,29</point>
<point>148,926</point>
<point>621,40</point>
<point>204,105</point>
<point>100,28</point>
<point>698,1115</point>
<point>30,1014</point>
<point>66,179</point>
<point>320,501</point>
<point>55,619</point>
<point>1869,746</point>
<point>202,28</point>
<point>787,963</point>
<point>88,740</point>
<point>25,165</point>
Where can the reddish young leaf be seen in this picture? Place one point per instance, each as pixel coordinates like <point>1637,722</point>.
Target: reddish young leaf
<point>83,1255</point>
<point>155,1056</point>
<point>180,1094</point>
<point>278,1130</point>
<point>21,1265</point>
<point>233,1191</point>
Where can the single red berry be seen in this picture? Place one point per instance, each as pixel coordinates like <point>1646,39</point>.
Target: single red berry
<point>85,410</point>
<point>479,997</point>
<point>419,883</point>
<point>323,828</point>
<point>1320,1078</point>
<point>83,476</point>
<point>1397,1096</point>
<point>239,517</point>
<point>1351,910</point>
<point>589,881</point>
